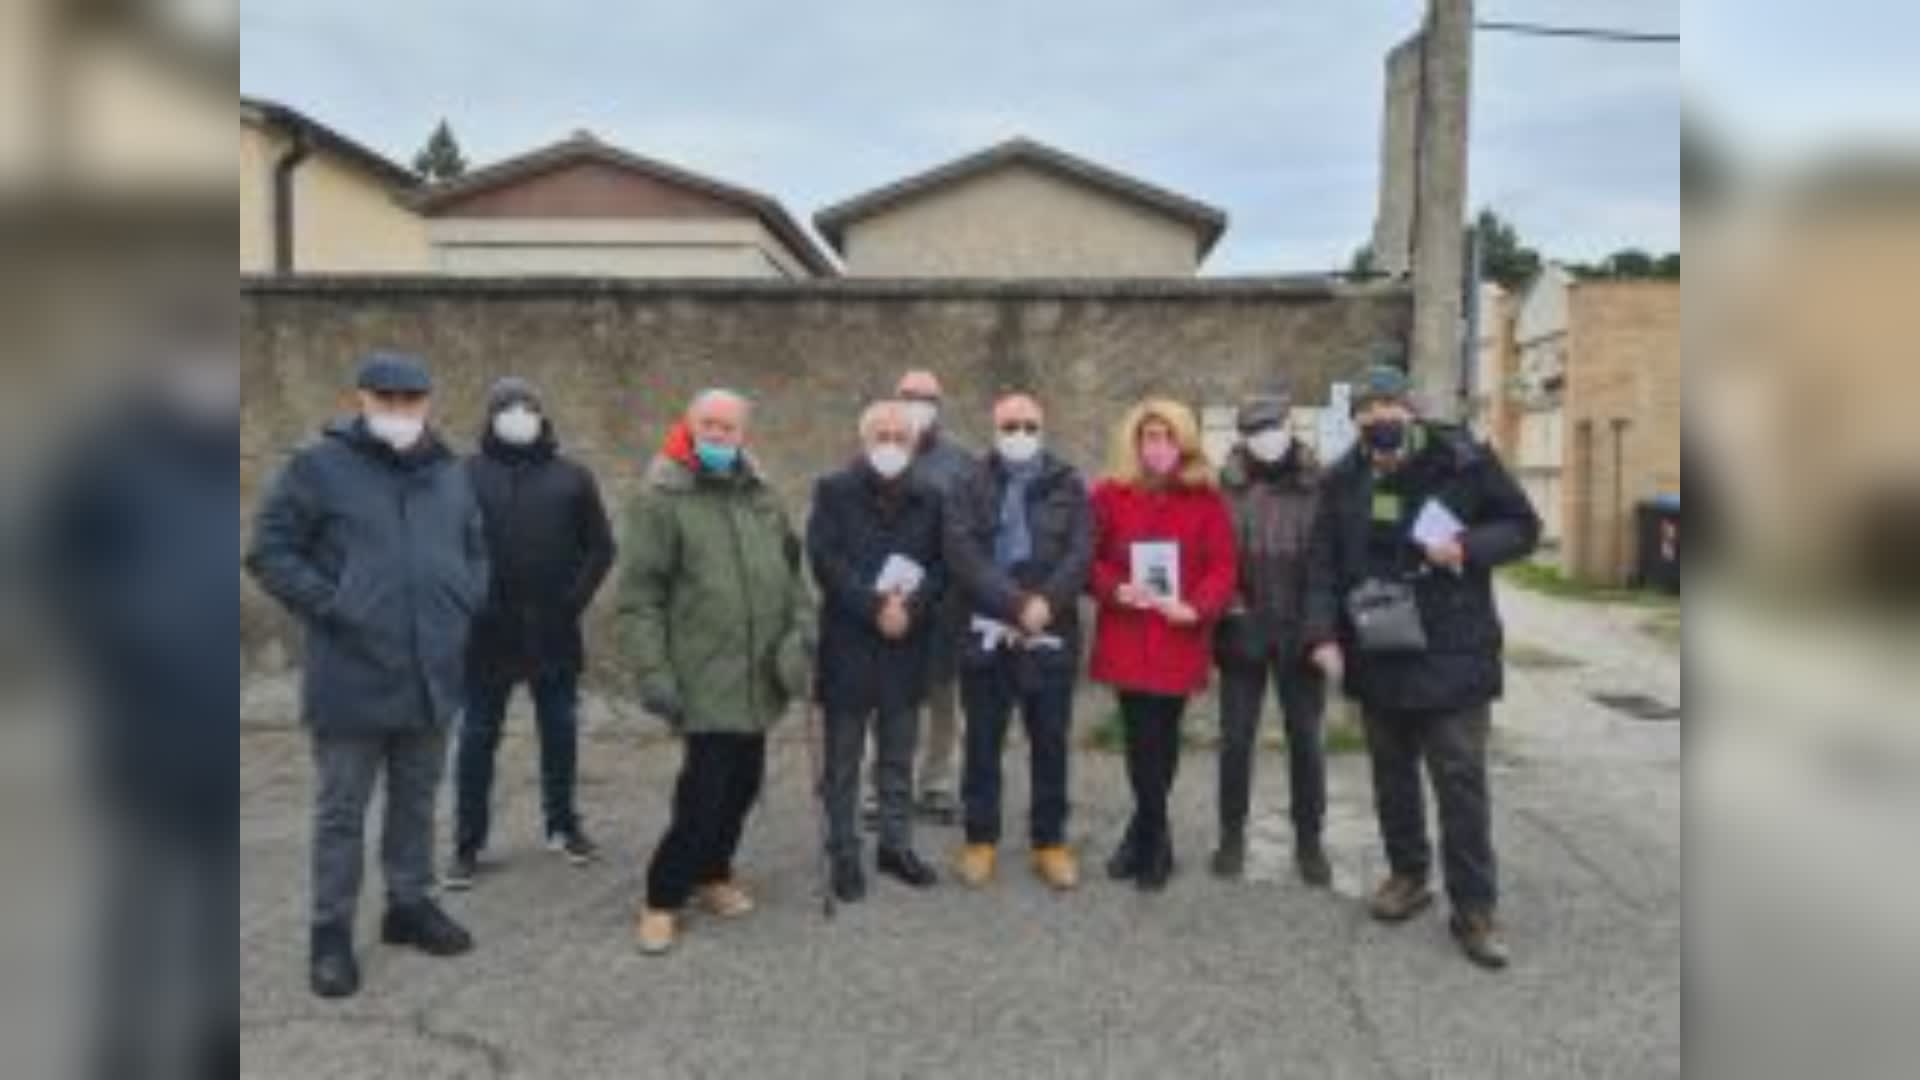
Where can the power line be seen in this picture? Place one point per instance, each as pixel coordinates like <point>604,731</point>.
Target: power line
<point>1632,37</point>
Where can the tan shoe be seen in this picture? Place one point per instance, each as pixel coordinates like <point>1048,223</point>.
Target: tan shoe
<point>1055,865</point>
<point>656,931</point>
<point>1399,899</point>
<point>975,864</point>
<point>725,899</point>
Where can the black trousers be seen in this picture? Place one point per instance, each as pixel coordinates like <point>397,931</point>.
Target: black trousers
<point>1153,759</point>
<point>1303,700</point>
<point>720,777</point>
<point>1453,746</point>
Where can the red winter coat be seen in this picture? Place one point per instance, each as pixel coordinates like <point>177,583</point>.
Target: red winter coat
<point>1141,650</point>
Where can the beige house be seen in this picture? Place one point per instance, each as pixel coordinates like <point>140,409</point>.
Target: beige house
<point>1021,209</point>
<point>582,206</point>
<point>314,201</point>
<point>1596,389</point>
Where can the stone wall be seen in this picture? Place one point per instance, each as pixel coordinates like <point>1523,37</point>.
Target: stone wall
<point>618,359</point>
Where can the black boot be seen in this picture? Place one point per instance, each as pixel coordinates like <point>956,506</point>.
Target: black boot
<point>1156,867</point>
<point>424,926</point>
<point>1125,863</point>
<point>849,880</point>
<point>1230,858</point>
<point>904,865</point>
<point>1310,859</point>
<point>332,971</point>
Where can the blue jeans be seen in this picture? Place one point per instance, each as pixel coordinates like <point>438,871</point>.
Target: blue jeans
<point>989,696</point>
<point>555,697</point>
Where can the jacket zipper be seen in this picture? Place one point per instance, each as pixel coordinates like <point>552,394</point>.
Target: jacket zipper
<point>740,557</point>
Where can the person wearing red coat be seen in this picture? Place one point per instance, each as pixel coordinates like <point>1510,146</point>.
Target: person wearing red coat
<point>1164,571</point>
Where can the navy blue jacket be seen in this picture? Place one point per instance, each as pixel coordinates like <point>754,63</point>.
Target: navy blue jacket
<point>383,558</point>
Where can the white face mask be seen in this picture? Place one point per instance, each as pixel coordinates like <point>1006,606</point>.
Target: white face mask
<point>1019,447</point>
<point>517,425</point>
<point>888,459</point>
<point>1270,444</point>
<point>922,414</point>
<point>396,430</point>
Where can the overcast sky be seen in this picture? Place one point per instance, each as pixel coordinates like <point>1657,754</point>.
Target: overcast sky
<point>1268,109</point>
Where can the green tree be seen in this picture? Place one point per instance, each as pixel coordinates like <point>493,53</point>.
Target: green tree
<point>440,158</point>
<point>1504,258</point>
<point>1363,263</point>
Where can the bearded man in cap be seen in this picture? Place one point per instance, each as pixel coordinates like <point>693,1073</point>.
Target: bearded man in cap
<point>372,538</point>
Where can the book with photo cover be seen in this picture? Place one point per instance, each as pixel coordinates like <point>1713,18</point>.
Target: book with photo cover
<point>1156,567</point>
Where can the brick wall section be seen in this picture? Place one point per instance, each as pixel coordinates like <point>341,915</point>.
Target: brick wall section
<point>1623,364</point>
<point>618,359</point>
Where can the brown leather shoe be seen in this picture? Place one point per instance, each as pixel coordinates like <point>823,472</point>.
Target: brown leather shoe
<point>1055,865</point>
<point>1399,899</point>
<point>976,864</point>
<point>655,932</point>
<point>1479,938</point>
<point>725,899</point>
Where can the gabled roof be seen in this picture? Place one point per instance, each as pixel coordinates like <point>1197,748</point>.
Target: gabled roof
<point>273,114</point>
<point>583,146</point>
<point>1208,221</point>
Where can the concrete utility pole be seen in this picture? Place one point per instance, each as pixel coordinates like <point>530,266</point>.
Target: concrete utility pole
<point>1440,207</point>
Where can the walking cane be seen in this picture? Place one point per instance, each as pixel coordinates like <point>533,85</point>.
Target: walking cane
<point>817,765</point>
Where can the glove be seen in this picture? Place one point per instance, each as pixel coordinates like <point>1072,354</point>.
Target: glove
<point>664,702</point>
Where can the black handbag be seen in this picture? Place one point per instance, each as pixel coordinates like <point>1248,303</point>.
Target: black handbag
<point>1386,617</point>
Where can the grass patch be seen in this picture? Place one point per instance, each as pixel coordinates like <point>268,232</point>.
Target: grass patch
<point>1548,579</point>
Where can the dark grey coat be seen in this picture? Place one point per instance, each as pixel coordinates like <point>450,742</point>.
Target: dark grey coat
<point>383,558</point>
<point>943,465</point>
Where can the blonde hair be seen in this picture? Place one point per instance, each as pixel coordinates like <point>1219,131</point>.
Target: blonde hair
<point>1123,462</point>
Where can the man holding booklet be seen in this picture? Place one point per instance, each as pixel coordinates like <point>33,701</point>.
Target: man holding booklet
<point>874,541</point>
<point>1400,600</point>
<point>1019,543</point>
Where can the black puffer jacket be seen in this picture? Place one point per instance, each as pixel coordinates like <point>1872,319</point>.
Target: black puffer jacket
<point>551,545</point>
<point>1061,522</point>
<point>858,521</point>
<point>1462,666</point>
<point>383,557</point>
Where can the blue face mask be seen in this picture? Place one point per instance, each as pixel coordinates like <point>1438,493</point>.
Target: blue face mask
<point>716,457</point>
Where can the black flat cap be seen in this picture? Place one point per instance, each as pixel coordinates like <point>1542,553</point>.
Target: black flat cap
<point>393,373</point>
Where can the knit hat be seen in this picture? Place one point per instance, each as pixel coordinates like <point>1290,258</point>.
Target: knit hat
<point>512,390</point>
<point>1382,382</point>
<point>1264,411</point>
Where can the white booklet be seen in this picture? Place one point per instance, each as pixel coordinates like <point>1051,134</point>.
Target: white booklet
<point>1436,524</point>
<point>1156,567</point>
<point>900,574</point>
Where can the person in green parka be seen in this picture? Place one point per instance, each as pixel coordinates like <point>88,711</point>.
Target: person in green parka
<point>717,625</point>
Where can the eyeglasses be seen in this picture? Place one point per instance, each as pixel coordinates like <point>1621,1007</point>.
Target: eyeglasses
<point>1020,427</point>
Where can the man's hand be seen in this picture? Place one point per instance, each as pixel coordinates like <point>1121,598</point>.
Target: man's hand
<point>893,617</point>
<point>1035,615</point>
<point>1447,555</point>
<point>664,703</point>
<point>1326,656</point>
<point>1134,596</point>
<point>1178,613</point>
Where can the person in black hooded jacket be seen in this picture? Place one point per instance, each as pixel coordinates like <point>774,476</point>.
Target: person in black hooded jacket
<point>552,547</point>
<point>1421,507</point>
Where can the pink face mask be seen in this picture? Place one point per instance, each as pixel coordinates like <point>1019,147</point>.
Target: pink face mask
<point>1160,458</point>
